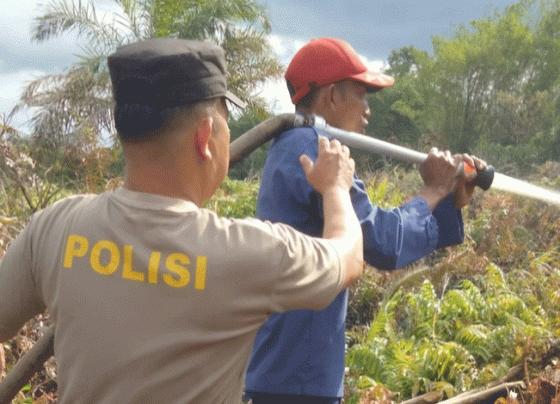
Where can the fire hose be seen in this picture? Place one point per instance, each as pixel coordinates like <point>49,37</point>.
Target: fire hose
<point>240,148</point>
<point>257,136</point>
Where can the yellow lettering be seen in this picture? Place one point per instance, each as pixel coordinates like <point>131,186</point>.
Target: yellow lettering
<point>74,251</point>
<point>128,272</point>
<point>200,280</point>
<point>173,263</point>
<point>153,267</point>
<point>115,257</point>
<point>105,258</point>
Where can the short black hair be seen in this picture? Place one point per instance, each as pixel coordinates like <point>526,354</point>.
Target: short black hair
<point>307,101</point>
<point>137,122</point>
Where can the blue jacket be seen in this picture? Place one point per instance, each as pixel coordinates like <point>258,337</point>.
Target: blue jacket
<point>302,352</point>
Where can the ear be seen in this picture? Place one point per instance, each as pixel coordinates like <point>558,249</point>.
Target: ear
<point>329,96</point>
<point>202,138</point>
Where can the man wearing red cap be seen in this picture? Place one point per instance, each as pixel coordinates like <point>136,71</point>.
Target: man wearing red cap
<point>298,356</point>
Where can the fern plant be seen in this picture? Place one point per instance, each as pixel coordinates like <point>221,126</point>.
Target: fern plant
<point>471,334</point>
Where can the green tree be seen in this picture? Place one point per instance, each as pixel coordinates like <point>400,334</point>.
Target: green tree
<point>491,88</point>
<point>394,112</point>
<point>496,54</point>
<point>548,78</point>
<point>254,162</point>
<point>403,61</point>
<point>76,105</point>
<point>397,113</point>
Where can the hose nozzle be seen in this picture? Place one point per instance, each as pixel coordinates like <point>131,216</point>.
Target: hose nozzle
<point>484,178</point>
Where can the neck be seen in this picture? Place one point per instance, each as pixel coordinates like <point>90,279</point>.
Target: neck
<point>168,174</point>
<point>162,183</point>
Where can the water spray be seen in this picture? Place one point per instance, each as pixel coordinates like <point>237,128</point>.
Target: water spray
<point>509,184</point>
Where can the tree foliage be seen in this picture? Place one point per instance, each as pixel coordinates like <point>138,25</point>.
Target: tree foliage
<point>496,55</point>
<point>489,88</point>
<point>75,107</point>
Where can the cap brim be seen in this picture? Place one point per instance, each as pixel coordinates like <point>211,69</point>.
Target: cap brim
<point>375,81</point>
<point>235,100</point>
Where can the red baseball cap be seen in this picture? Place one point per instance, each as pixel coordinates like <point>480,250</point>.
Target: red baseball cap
<point>324,61</point>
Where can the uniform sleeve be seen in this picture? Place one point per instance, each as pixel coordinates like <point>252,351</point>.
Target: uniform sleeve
<point>311,273</point>
<point>19,297</point>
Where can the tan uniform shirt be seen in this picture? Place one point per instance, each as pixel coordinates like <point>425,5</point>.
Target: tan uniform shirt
<point>156,300</point>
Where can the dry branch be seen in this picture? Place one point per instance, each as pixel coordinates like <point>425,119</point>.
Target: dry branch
<point>2,361</point>
<point>513,374</point>
<point>432,397</point>
<point>478,396</point>
<point>27,366</point>
<point>475,395</point>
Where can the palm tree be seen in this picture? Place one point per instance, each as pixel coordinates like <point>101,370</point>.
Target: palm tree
<point>75,107</point>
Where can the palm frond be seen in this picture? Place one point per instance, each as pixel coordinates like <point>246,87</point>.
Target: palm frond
<point>69,105</point>
<point>61,16</point>
<point>6,130</point>
<point>136,18</point>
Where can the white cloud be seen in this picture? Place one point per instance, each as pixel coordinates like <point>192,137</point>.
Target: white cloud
<point>22,60</point>
<point>12,85</point>
<point>278,97</point>
<point>285,47</point>
<point>375,65</point>
<point>275,91</point>
<point>17,20</point>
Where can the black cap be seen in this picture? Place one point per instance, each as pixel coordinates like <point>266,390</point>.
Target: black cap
<point>168,72</point>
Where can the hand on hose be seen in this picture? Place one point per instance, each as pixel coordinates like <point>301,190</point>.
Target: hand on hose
<point>464,187</point>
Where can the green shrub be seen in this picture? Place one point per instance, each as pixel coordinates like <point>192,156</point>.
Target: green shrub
<point>482,307</point>
<point>419,339</point>
<point>235,198</point>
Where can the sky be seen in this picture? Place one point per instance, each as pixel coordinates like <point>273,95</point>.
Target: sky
<point>373,27</point>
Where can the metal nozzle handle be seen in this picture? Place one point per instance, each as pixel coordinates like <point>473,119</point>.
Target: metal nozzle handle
<point>484,178</point>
